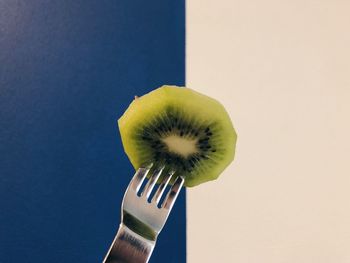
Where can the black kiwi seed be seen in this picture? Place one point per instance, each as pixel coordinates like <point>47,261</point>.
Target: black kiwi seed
<point>204,140</point>
<point>181,133</point>
<point>194,159</point>
<point>156,146</point>
<point>207,129</point>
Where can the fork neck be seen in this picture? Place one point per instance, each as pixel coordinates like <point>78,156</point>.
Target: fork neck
<point>138,226</point>
<point>129,247</point>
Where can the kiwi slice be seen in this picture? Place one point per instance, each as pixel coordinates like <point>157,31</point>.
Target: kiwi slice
<point>182,129</point>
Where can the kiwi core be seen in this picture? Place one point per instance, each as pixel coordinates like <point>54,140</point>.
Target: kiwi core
<point>180,145</point>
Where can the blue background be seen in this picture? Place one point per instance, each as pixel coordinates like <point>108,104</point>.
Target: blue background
<point>68,70</point>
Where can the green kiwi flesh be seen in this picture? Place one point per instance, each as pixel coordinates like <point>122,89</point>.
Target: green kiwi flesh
<point>186,131</point>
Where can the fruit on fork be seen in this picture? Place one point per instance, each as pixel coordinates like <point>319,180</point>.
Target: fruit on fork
<point>184,130</point>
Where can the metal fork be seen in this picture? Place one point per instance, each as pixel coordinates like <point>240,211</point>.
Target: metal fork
<point>142,219</point>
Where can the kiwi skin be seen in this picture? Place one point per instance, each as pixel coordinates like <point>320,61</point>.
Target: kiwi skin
<point>198,111</point>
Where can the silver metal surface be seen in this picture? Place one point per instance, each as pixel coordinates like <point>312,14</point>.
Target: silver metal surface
<point>143,216</point>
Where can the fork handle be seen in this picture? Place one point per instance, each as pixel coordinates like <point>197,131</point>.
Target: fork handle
<point>129,247</point>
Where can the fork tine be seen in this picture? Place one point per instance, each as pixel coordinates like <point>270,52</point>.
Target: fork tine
<point>151,182</point>
<point>173,193</point>
<point>138,178</point>
<point>158,195</point>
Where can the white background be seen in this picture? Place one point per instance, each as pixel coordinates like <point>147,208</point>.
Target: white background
<point>282,70</point>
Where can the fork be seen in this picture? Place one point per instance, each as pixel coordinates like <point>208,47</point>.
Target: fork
<point>143,216</point>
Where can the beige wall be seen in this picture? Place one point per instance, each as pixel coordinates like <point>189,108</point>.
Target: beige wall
<point>282,69</point>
